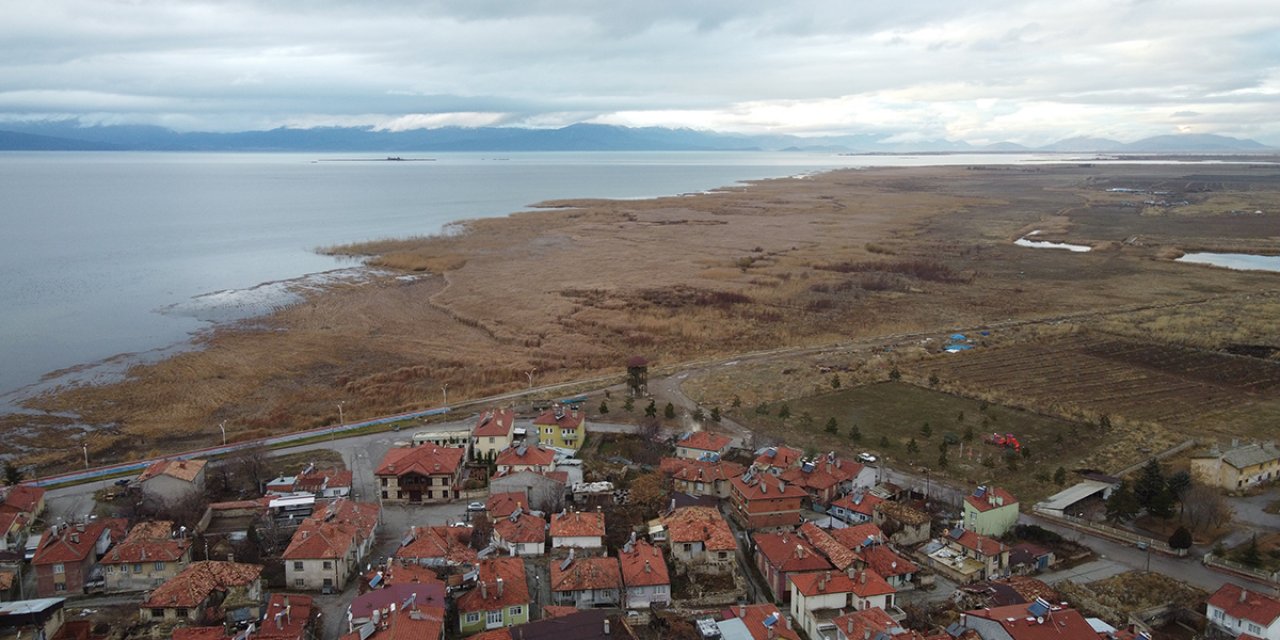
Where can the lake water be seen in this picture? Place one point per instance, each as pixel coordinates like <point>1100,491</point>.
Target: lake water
<point>1243,261</point>
<point>116,258</point>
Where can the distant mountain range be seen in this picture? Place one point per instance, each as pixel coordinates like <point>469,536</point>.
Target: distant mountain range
<point>69,135</point>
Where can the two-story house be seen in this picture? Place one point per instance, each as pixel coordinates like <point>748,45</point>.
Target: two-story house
<point>910,526</point>
<point>499,599</point>
<point>644,576</point>
<point>493,432</point>
<point>965,556</point>
<point>825,478</point>
<point>840,556</point>
<point>579,529</point>
<point>1237,468</point>
<point>778,555</point>
<point>439,546</point>
<point>990,511</point>
<point>418,475</point>
<point>561,426</point>
<point>330,546</point>
<point>538,459</point>
<point>20,506</point>
<point>757,622</point>
<point>701,477</point>
<point>872,623</point>
<point>700,540</point>
<point>890,565</point>
<point>819,597</point>
<point>207,592</point>
<point>856,507</point>
<point>151,554</point>
<point>170,482</point>
<point>586,582</point>
<point>521,534</point>
<point>1237,611</point>
<point>67,558</point>
<point>761,500</point>
<point>1038,620</point>
<point>703,445</point>
<point>775,460</point>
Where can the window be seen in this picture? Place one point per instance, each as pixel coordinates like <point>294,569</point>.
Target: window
<point>473,617</point>
<point>384,495</point>
<point>328,564</point>
<point>159,566</point>
<point>299,582</point>
<point>59,568</point>
<point>490,439</point>
<point>688,548</point>
<point>384,482</point>
<point>1254,629</point>
<point>111,568</point>
<point>517,610</point>
<point>328,582</point>
<point>157,613</point>
<point>59,586</point>
<point>182,613</point>
<point>724,555</point>
<point>493,618</point>
<point>137,567</point>
<point>297,566</point>
<point>662,588</point>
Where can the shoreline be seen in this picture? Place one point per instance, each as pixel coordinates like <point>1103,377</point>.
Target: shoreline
<point>573,290</point>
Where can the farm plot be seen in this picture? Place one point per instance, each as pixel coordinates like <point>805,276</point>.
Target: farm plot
<point>1093,376</point>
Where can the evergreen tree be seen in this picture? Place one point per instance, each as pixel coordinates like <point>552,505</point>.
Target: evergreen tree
<point>1178,483</point>
<point>784,411</point>
<point>698,415</point>
<point>1250,555</point>
<point>854,433</point>
<point>628,405</point>
<point>715,414</point>
<point>1150,484</point>
<point>762,409</point>
<point>926,430</point>
<point>604,407</point>
<point>737,402</point>
<point>942,458</point>
<point>968,433</point>
<point>669,412</point>
<point>912,447</point>
<point>12,474</point>
<point>831,427</point>
<point>895,375</point>
<point>1122,506</point>
<point>1181,539</point>
<point>806,420</point>
<point>835,381</point>
<point>933,379</point>
<point>651,411</point>
<point>884,442</point>
<point>1060,476</point>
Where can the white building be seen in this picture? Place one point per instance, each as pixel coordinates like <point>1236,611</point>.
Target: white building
<point>1238,611</point>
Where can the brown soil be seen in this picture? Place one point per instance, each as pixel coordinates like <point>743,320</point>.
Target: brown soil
<point>578,288</point>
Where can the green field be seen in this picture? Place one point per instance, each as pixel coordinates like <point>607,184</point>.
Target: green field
<point>895,413</point>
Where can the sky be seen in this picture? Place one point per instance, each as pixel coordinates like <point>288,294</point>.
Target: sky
<point>1031,72</point>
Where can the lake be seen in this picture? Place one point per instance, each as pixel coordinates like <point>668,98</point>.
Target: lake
<point>116,258</point>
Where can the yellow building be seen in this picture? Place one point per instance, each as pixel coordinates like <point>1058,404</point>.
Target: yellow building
<point>1238,468</point>
<point>561,426</point>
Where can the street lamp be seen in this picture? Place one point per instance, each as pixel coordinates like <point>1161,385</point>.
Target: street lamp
<point>85,446</point>
<point>223,425</point>
<point>342,421</point>
<point>530,374</point>
<point>445,390</point>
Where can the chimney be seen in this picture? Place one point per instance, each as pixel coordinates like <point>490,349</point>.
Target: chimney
<point>606,626</point>
<point>862,577</point>
<point>499,588</point>
<point>1244,595</point>
<point>484,590</point>
<point>742,610</point>
<point>849,626</point>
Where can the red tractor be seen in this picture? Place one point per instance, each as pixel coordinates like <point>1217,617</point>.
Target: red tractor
<point>1006,441</point>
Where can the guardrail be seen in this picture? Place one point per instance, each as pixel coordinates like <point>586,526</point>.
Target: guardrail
<point>1214,562</point>
<point>1119,535</point>
<point>270,441</point>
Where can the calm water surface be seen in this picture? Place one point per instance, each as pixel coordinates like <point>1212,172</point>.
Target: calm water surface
<point>115,258</point>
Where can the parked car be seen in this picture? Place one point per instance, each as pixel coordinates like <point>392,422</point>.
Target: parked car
<point>866,457</point>
<point>475,506</point>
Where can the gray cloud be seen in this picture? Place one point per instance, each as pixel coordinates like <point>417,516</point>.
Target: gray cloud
<point>1029,71</point>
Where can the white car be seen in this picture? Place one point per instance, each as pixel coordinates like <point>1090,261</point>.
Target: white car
<point>866,457</point>
<point>475,506</point>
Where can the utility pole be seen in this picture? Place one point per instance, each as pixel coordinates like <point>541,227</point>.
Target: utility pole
<point>445,390</point>
<point>85,446</point>
<point>342,421</point>
<point>530,374</point>
<point>223,425</point>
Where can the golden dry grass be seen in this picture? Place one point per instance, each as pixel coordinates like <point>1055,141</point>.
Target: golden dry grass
<point>575,290</point>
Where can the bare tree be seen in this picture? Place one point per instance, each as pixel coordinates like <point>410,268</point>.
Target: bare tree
<point>481,531</point>
<point>1204,507</point>
<point>251,465</point>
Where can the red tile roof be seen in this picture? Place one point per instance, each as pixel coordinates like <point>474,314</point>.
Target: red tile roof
<point>452,544</point>
<point>11,519</point>
<point>586,573</point>
<point>496,423</point>
<point>705,441</point>
<point>410,573</point>
<point>317,480</point>
<point>856,537</point>
<point>427,594</point>
<point>569,418</point>
<point>887,562</point>
<point>788,552</point>
<point>703,470</point>
<point>185,470</point>
<point>754,616</point>
<point>418,623</point>
<point>699,524</point>
<point>200,633</point>
<point>526,456</point>
<point>1244,604</point>
<point>863,503</point>
<point>1060,624</point>
<point>426,460</point>
<point>501,505</point>
<point>192,587</point>
<point>767,487</point>
<point>73,543</point>
<point>504,633</point>
<point>514,590</point>
<point>285,618</point>
<point>553,611</point>
<point>871,623</point>
<point>23,497</point>
<point>572,524</point>
<point>984,546</point>
<point>839,555</point>
<point>526,528</point>
<point>863,584</point>
<point>990,496</point>
<point>783,457</point>
<point>333,531</point>
<point>149,542</point>
<point>643,566</point>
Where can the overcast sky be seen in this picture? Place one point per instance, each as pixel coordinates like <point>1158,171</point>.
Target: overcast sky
<point>1030,72</point>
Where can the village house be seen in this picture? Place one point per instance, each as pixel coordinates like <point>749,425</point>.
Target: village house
<point>566,623</point>
<point>431,592</point>
<point>757,622</point>
<point>701,445</point>
<point>445,436</point>
<point>40,618</point>
<point>910,526</point>
<point>170,482</point>
<point>856,507</point>
<point>207,592</point>
<point>561,426</point>
<point>66,559</point>
<point>1026,558</point>
<point>586,582</point>
<point>1038,620</point>
<point>501,505</point>
<point>1237,468</point>
<point>151,554</point>
<point>990,511</point>
<point>439,546</point>
<point>701,477</point>
<point>873,623</point>
<point>839,555</point>
<point>644,575</point>
<point>583,530</point>
<point>21,505</point>
<point>526,458</point>
<point>419,475</point>
<point>859,536</point>
<point>325,484</point>
<point>546,491</point>
<point>521,534</point>
<point>289,616</point>
<point>824,479</point>
<point>1238,612</point>
<point>329,547</point>
<point>761,500</point>
<point>415,622</point>
<point>819,597</point>
<point>778,555</point>
<point>888,564</point>
<point>964,556</point>
<point>775,460</point>
<point>499,599</point>
<point>700,540</point>
<point>494,431</point>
